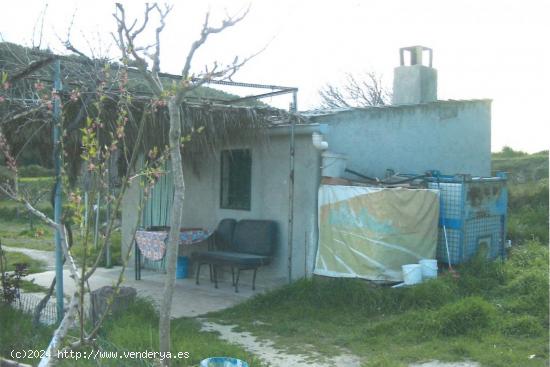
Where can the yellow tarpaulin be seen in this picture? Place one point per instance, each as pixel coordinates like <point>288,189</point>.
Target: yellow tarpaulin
<point>370,232</point>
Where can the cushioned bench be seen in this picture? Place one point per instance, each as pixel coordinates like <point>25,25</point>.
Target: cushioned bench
<point>243,245</point>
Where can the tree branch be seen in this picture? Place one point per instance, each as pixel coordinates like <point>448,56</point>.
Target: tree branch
<point>205,32</point>
<point>365,92</point>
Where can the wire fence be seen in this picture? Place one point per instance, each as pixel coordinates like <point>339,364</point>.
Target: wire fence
<point>27,303</point>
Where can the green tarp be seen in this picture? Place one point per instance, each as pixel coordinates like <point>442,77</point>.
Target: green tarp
<point>369,232</point>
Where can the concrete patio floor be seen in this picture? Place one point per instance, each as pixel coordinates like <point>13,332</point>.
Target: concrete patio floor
<point>189,299</point>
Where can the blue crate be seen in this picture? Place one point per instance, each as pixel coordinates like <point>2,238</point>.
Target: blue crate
<point>473,212</point>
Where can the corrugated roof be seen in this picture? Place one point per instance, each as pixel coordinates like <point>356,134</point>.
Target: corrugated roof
<point>332,111</point>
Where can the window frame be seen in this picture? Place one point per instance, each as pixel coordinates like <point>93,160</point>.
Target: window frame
<point>229,202</point>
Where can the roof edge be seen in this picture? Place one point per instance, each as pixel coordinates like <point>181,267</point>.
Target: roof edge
<point>334,111</point>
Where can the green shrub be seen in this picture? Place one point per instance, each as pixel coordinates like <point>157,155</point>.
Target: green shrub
<point>470,315</point>
<point>524,325</point>
<point>528,212</point>
<point>528,283</point>
<point>19,213</point>
<point>508,152</point>
<point>429,294</point>
<point>530,295</point>
<point>529,256</point>
<point>479,276</point>
<point>522,167</point>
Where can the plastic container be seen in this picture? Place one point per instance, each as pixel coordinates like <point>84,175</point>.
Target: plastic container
<point>223,362</point>
<point>182,267</point>
<point>334,164</point>
<point>429,268</point>
<point>412,274</point>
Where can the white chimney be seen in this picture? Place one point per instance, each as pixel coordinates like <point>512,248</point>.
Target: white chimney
<point>414,82</point>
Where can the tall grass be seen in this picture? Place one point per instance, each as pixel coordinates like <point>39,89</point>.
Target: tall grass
<point>135,329</point>
<point>482,303</point>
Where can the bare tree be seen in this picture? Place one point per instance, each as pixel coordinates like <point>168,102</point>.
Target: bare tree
<point>366,91</point>
<point>127,39</point>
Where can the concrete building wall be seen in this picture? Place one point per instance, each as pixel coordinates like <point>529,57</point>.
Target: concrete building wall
<point>269,200</point>
<point>449,136</point>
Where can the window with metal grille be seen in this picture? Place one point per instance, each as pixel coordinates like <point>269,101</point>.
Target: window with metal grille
<point>236,174</point>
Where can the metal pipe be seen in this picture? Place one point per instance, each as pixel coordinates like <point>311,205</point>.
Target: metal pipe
<point>57,199</point>
<point>305,255</point>
<point>294,108</point>
<point>260,96</point>
<point>238,84</point>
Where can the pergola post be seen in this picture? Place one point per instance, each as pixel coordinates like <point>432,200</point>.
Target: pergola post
<point>58,187</point>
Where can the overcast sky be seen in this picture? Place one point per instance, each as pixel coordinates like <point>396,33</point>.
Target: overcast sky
<point>482,49</point>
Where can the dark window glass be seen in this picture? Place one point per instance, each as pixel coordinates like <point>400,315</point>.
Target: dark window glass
<point>236,174</point>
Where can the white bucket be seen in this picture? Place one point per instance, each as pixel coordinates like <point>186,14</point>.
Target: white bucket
<point>412,273</point>
<point>334,164</point>
<point>429,268</point>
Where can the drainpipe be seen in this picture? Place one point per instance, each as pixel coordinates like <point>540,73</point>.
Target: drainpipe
<point>294,109</point>
<point>318,142</point>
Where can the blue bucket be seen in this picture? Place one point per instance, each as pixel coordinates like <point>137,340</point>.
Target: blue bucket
<point>223,362</point>
<point>182,266</point>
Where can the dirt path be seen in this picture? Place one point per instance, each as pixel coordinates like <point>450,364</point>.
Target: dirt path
<point>266,350</point>
<point>48,257</point>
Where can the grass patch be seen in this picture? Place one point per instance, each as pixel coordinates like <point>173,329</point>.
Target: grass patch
<point>31,287</point>
<point>34,170</point>
<point>17,333</point>
<point>494,313</point>
<point>136,329</point>
<point>31,170</point>
<point>18,234</point>
<point>469,316</point>
<point>13,212</point>
<point>33,265</point>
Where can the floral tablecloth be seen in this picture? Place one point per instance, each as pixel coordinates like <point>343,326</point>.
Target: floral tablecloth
<point>153,244</point>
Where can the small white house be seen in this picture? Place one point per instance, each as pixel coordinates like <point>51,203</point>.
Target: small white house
<point>251,179</point>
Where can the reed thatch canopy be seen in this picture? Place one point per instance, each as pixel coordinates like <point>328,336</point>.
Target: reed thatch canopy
<point>204,109</point>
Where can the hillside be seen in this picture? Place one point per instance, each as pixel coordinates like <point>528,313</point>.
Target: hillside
<point>528,198</point>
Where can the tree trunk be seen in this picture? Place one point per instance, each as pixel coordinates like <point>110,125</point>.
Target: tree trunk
<point>175,223</point>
